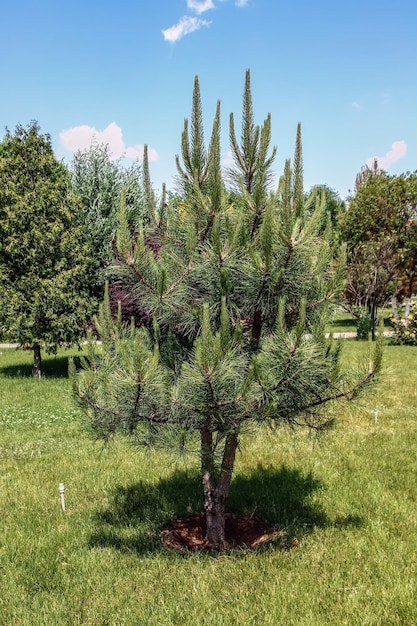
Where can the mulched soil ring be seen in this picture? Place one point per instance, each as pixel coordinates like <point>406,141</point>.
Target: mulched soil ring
<point>244,532</point>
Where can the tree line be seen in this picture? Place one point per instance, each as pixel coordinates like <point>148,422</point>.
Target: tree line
<point>58,226</point>
<point>58,229</point>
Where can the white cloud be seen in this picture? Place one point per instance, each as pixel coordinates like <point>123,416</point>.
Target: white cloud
<point>228,159</point>
<point>356,105</point>
<point>188,24</point>
<point>399,149</point>
<point>82,137</point>
<point>200,6</point>
<point>185,26</point>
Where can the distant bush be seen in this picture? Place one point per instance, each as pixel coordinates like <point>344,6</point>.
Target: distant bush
<point>405,330</point>
<point>363,326</point>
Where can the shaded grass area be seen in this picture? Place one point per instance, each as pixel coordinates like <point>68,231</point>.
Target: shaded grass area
<point>343,322</point>
<point>349,498</point>
<point>18,362</point>
<point>280,497</point>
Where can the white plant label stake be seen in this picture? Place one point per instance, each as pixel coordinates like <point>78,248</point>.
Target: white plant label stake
<point>62,495</point>
<point>376,416</point>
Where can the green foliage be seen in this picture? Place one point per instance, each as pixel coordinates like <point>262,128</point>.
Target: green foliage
<point>128,362</point>
<point>239,287</point>
<point>334,206</point>
<point>102,184</point>
<point>379,228</point>
<point>44,269</point>
<point>363,325</point>
<point>252,164</point>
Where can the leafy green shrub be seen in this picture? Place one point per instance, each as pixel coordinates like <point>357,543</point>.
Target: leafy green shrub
<point>363,326</point>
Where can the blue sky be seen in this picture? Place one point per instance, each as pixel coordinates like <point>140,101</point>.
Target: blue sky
<point>123,72</point>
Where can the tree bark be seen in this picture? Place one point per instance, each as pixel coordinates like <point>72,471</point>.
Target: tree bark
<point>256,329</point>
<point>37,360</point>
<point>216,492</point>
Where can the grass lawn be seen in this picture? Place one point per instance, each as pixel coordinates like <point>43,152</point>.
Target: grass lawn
<point>343,322</point>
<point>349,498</point>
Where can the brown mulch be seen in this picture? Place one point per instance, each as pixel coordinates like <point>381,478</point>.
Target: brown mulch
<point>244,532</point>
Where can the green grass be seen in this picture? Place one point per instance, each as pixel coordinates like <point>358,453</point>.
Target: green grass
<point>343,322</point>
<point>349,497</point>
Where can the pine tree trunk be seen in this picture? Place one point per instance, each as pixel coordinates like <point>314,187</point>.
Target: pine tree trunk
<point>37,360</point>
<point>256,329</point>
<point>216,492</point>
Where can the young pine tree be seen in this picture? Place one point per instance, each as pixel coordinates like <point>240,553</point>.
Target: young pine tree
<point>239,286</point>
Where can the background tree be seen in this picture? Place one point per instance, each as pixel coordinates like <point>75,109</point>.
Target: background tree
<point>366,173</point>
<point>334,205</point>
<point>44,269</point>
<point>372,281</point>
<point>407,285</point>
<point>100,182</point>
<point>379,230</point>
<point>239,295</point>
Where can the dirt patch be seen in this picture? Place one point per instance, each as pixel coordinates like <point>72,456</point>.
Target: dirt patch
<point>243,532</point>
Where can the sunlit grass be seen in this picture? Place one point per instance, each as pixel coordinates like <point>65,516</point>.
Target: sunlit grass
<point>349,497</point>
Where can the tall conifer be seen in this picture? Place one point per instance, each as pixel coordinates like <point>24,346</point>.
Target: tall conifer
<point>239,291</point>
<point>44,266</point>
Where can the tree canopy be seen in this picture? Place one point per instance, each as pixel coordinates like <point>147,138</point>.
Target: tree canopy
<point>102,183</point>
<point>379,228</point>
<point>238,288</point>
<point>334,205</point>
<point>44,267</point>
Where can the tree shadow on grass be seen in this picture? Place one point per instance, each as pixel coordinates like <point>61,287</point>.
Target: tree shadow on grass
<point>280,497</point>
<point>345,322</point>
<point>350,323</point>
<point>52,367</point>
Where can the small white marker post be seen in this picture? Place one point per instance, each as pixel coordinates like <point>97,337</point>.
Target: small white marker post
<point>376,416</point>
<point>61,493</point>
